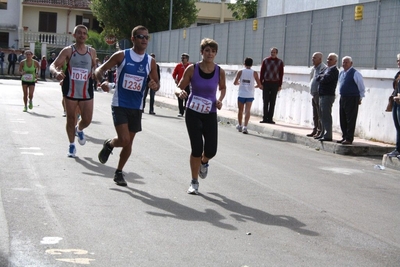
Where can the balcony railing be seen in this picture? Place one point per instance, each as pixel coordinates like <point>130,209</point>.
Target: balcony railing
<point>62,3</point>
<point>52,39</point>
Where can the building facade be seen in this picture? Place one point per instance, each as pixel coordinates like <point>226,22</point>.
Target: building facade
<point>25,23</point>
<point>51,22</point>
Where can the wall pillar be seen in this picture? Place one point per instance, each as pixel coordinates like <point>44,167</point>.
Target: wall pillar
<point>32,47</point>
<point>44,50</point>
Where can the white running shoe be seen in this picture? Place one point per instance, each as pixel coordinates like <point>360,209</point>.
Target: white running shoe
<point>193,189</point>
<point>394,153</point>
<point>239,128</point>
<point>245,130</point>
<point>71,151</point>
<point>203,171</point>
<point>81,136</point>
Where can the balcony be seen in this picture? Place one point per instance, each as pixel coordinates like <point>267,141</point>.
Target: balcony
<point>52,39</point>
<point>80,4</point>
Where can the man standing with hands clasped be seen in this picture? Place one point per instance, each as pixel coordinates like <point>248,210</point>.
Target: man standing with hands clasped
<point>318,66</point>
<point>133,67</point>
<point>352,90</point>
<point>271,76</point>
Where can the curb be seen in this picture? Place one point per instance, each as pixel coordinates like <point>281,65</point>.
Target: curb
<point>359,148</point>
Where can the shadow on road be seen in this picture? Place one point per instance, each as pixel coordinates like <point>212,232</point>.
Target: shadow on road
<point>243,213</point>
<point>40,115</point>
<point>177,210</point>
<point>100,170</point>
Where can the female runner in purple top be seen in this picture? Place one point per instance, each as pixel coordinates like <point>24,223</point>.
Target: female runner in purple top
<point>201,109</point>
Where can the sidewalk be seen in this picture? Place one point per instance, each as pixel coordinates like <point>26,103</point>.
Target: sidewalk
<point>297,134</point>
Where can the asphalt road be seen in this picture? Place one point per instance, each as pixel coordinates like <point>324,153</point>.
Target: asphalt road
<point>265,202</point>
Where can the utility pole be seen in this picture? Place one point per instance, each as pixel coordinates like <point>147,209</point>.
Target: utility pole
<point>170,15</point>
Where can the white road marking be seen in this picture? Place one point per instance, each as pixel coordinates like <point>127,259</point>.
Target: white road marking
<point>50,240</point>
<point>85,261</point>
<point>344,171</point>
<point>32,153</point>
<point>21,132</point>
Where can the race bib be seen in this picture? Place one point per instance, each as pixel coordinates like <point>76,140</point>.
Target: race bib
<point>200,104</point>
<point>79,74</point>
<point>132,82</point>
<point>27,77</point>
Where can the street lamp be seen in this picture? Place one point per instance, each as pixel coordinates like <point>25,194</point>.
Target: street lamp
<point>170,15</point>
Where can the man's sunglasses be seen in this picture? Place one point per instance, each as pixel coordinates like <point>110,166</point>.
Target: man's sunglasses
<point>141,36</point>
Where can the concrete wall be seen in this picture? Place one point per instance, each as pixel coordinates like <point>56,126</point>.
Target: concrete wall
<point>267,8</point>
<point>293,104</point>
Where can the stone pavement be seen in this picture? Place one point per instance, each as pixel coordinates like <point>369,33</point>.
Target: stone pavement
<point>297,134</point>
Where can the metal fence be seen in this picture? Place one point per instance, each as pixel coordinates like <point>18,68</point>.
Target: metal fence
<point>372,42</point>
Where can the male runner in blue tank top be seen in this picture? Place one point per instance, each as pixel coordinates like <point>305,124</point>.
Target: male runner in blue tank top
<point>77,86</point>
<point>133,67</point>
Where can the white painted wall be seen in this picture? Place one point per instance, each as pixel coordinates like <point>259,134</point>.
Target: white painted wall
<point>10,17</point>
<point>64,25</point>
<point>293,103</point>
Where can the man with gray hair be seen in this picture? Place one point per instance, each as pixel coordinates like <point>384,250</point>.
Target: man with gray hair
<point>318,66</point>
<point>352,90</point>
<point>328,78</point>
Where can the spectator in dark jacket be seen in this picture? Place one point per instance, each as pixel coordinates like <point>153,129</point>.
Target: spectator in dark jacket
<point>328,78</point>
<point>12,59</point>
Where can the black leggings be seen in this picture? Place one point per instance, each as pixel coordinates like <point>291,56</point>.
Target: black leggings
<point>202,125</point>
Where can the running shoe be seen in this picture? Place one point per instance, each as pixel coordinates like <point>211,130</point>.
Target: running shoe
<point>119,179</point>
<point>105,152</point>
<point>394,153</point>
<point>30,104</point>
<point>64,114</point>
<point>25,109</point>
<point>81,136</point>
<point>239,128</point>
<point>71,151</point>
<point>203,170</point>
<point>193,189</point>
<point>245,130</point>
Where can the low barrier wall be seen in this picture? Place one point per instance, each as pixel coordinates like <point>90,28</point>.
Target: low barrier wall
<point>293,104</point>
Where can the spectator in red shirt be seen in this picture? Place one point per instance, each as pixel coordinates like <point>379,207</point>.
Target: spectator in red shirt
<point>43,67</point>
<point>177,75</point>
<point>271,76</point>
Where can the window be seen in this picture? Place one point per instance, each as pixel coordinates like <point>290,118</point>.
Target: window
<point>4,36</point>
<point>47,22</point>
<point>78,20</point>
<point>3,4</point>
<point>82,20</point>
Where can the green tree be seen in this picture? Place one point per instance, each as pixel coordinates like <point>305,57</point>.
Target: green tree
<point>244,9</point>
<point>119,17</point>
<point>96,40</point>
